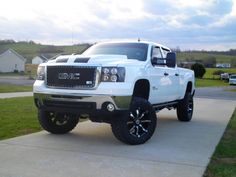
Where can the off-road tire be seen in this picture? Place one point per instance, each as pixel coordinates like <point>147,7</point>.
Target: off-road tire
<point>57,123</point>
<point>138,125</point>
<point>185,108</point>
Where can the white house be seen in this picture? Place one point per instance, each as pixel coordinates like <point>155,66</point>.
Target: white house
<point>39,59</point>
<point>11,61</point>
<point>223,65</point>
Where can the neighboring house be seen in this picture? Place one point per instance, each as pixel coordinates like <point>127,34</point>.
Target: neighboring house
<point>223,65</point>
<point>11,61</point>
<point>39,59</point>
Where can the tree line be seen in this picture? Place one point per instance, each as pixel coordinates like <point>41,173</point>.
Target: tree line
<point>231,52</point>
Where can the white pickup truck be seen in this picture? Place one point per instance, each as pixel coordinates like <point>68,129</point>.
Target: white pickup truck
<point>121,83</point>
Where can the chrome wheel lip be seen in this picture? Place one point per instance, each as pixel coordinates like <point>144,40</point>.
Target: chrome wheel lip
<point>137,122</point>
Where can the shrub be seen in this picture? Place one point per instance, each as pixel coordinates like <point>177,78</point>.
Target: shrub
<point>218,72</point>
<point>199,70</point>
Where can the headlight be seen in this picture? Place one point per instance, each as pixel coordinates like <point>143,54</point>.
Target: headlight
<point>113,74</point>
<point>41,73</point>
<point>106,70</point>
<point>114,71</point>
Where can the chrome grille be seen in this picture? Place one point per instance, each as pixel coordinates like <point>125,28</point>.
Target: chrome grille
<point>71,77</point>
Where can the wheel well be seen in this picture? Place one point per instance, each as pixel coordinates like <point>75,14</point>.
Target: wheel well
<point>142,89</point>
<point>189,87</point>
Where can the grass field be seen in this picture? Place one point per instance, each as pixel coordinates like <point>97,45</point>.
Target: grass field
<point>209,72</point>
<point>223,161</point>
<point>7,88</point>
<point>182,56</point>
<point>210,80</point>
<point>18,117</point>
<point>210,83</point>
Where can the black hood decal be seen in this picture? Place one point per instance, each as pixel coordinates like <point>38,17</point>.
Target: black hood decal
<point>62,60</point>
<point>82,60</point>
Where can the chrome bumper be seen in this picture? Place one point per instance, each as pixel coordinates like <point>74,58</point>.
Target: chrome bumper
<point>99,101</point>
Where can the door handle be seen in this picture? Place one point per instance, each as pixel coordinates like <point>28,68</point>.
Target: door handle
<point>166,74</point>
<point>176,74</point>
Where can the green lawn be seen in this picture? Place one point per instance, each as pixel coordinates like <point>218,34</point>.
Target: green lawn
<point>6,88</point>
<point>210,83</point>
<point>209,80</point>
<point>209,72</point>
<point>18,117</point>
<point>223,161</point>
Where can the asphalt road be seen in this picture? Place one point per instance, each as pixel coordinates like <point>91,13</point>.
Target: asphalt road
<point>176,149</point>
<point>16,80</point>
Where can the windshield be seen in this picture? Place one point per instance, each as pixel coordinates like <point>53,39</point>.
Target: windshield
<point>136,51</point>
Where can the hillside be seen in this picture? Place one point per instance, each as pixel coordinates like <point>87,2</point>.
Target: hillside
<point>30,49</point>
<point>190,56</point>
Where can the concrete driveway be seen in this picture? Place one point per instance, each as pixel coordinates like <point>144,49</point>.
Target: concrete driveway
<point>177,149</point>
<point>216,93</point>
<point>15,94</point>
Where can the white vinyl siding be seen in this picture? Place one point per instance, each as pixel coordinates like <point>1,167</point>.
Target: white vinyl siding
<point>10,61</point>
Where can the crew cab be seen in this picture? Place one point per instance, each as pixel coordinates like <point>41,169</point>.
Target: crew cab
<point>121,83</point>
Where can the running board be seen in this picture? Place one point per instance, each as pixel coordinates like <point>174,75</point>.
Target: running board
<point>168,105</point>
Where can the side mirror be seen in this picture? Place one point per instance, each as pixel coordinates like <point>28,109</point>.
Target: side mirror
<point>158,61</point>
<point>171,59</point>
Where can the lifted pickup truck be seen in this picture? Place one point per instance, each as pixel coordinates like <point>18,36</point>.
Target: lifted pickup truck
<point>121,83</point>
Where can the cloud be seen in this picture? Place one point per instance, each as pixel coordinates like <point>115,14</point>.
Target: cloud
<point>181,23</point>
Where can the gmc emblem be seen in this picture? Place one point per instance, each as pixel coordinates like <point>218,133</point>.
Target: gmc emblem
<point>69,76</point>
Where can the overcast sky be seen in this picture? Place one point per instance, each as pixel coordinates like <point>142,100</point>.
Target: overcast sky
<point>189,24</point>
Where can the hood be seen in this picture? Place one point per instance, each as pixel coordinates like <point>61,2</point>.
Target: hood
<point>102,60</point>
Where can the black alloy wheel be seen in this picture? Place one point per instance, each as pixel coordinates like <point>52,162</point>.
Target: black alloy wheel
<point>138,125</point>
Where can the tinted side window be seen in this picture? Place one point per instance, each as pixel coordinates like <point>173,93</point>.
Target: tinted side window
<point>165,51</point>
<point>156,52</point>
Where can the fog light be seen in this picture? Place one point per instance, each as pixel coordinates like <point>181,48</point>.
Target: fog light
<point>110,107</point>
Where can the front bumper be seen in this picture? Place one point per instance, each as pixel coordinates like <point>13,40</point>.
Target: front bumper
<point>98,107</point>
